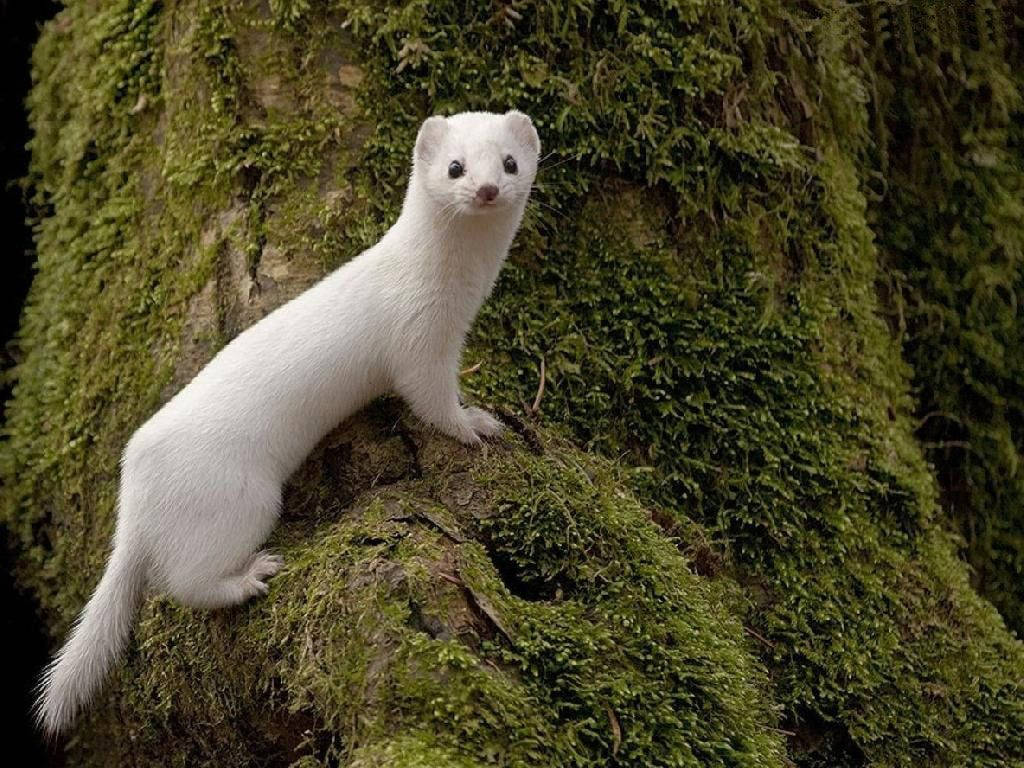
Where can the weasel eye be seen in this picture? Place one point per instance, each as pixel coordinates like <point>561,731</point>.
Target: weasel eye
<point>455,169</point>
<point>510,165</point>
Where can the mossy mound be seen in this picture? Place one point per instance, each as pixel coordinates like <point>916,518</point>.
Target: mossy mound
<point>719,530</point>
<point>393,632</point>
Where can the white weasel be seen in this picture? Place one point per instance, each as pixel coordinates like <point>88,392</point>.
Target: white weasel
<point>201,480</point>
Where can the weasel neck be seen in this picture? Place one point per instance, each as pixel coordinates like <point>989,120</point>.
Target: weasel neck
<point>461,250</point>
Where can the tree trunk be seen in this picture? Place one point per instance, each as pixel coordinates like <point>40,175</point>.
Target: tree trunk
<point>714,540</point>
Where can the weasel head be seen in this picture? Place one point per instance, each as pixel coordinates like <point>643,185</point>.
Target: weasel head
<point>476,163</point>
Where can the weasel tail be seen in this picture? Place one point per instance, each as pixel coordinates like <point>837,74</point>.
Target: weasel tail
<point>96,641</point>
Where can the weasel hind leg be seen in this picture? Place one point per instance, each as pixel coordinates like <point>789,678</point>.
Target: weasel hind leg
<point>231,589</point>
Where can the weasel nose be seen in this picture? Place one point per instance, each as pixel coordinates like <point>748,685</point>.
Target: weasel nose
<point>487,193</point>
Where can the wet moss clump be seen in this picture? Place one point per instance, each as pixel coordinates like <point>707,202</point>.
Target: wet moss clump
<point>715,540</point>
<point>950,222</point>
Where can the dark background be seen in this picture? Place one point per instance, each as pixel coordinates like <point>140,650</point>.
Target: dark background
<point>21,634</point>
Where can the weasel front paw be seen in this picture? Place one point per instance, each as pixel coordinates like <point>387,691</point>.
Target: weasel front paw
<point>470,425</point>
<point>482,423</point>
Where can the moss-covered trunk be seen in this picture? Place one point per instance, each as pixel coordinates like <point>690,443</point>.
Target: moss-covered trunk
<point>716,542</point>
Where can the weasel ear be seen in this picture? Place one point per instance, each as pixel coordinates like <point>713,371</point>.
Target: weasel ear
<point>522,128</point>
<point>430,136</point>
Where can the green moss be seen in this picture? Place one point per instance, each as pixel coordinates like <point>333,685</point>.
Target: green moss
<point>730,338</point>
<point>95,334</point>
<point>413,751</point>
<point>391,635</point>
<point>949,145</point>
<point>563,531</point>
<point>699,276</point>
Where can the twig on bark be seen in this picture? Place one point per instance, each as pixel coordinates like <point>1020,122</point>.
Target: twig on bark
<point>522,429</point>
<point>535,408</point>
<point>616,729</point>
<point>757,635</point>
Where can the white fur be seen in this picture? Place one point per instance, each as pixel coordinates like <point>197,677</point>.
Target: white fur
<point>201,480</point>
